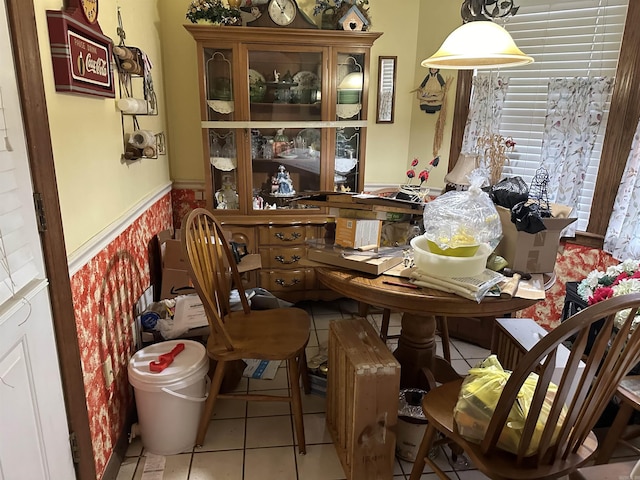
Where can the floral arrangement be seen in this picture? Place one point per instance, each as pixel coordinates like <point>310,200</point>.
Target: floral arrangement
<point>215,11</point>
<point>424,174</point>
<point>493,149</point>
<point>620,279</point>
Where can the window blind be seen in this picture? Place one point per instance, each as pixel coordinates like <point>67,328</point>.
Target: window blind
<point>17,265</point>
<point>566,39</point>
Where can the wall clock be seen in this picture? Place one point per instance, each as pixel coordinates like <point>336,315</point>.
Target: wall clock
<point>90,10</point>
<point>282,12</point>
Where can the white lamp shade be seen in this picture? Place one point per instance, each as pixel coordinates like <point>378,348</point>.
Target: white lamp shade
<point>353,81</point>
<point>479,44</point>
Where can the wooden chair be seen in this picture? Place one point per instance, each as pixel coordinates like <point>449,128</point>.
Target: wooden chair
<point>592,388</point>
<point>629,394</point>
<point>277,334</point>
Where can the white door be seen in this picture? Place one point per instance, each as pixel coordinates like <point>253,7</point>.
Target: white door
<point>34,437</point>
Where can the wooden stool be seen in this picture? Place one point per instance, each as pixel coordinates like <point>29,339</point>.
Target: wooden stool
<point>629,394</point>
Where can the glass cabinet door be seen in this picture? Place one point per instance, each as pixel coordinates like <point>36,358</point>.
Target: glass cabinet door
<point>285,108</point>
<point>350,117</point>
<point>222,142</point>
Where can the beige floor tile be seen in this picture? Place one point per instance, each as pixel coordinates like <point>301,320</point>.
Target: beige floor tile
<point>320,463</point>
<point>460,366</point>
<point>217,465</point>
<point>472,475</point>
<point>315,429</point>
<point>270,464</point>
<point>229,408</point>
<point>135,448</point>
<point>313,404</point>
<point>267,409</point>
<point>322,321</point>
<point>468,350</point>
<point>269,432</point>
<point>128,468</point>
<point>441,460</point>
<point>224,435</point>
<point>323,337</point>
<point>176,467</point>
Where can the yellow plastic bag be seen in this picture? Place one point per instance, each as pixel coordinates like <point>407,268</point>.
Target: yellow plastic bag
<point>479,396</point>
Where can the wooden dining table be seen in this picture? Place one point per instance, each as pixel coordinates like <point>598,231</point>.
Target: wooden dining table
<point>416,351</point>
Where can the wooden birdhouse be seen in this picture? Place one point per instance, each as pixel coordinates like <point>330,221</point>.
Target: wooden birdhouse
<point>354,20</point>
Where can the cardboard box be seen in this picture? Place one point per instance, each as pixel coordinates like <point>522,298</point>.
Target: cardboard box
<point>358,233</point>
<point>175,276</point>
<point>361,263</point>
<point>174,283</point>
<point>526,252</point>
<point>514,337</point>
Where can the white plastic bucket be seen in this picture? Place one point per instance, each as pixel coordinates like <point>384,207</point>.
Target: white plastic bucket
<point>170,402</point>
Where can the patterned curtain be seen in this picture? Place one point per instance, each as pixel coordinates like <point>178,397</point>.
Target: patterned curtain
<point>623,235</point>
<point>485,110</point>
<point>574,112</point>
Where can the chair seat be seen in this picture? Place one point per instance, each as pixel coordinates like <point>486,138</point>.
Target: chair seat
<point>277,334</point>
<point>438,406</point>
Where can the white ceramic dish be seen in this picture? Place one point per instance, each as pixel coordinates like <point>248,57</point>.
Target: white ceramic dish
<point>221,106</point>
<point>446,266</point>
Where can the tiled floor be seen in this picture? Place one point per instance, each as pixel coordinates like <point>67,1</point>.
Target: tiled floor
<point>255,440</point>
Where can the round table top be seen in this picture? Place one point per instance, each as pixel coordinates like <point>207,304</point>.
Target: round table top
<point>370,289</point>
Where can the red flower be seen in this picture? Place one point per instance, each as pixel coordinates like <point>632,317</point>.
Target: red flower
<point>411,173</point>
<point>619,278</point>
<point>423,176</point>
<point>415,162</point>
<point>600,294</point>
<point>509,143</point>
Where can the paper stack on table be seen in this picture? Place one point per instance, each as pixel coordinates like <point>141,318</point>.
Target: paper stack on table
<point>473,288</point>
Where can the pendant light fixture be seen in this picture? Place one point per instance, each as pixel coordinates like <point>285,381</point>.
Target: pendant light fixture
<point>479,42</point>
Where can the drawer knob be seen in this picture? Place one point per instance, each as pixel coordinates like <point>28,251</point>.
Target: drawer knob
<point>294,236</point>
<point>280,258</point>
<point>283,283</point>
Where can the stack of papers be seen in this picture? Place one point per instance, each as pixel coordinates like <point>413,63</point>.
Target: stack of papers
<point>473,288</point>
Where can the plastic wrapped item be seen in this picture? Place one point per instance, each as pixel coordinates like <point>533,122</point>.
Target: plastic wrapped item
<point>509,192</point>
<point>479,396</point>
<point>460,220</point>
<point>410,403</point>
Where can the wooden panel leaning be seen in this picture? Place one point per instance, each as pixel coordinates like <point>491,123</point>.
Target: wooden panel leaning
<point>363,385</point>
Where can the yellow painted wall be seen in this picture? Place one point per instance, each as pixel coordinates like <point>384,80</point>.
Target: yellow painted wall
<point>437,20</point>
<point>95,186</point>
<point>413,29</point>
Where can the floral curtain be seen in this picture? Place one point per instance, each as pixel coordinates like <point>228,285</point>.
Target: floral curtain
<point>485,110</point>
<point>623,235</point>
<point>574,112</point>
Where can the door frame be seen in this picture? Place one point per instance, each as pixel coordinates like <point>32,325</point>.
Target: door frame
<point>28,65</point>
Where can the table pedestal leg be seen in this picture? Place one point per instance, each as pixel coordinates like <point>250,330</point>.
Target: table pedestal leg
<point>416,349</point>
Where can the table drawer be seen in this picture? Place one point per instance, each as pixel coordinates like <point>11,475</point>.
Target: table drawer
<point>287,280</point>
<point>282,257</point>
<point>285,235</point>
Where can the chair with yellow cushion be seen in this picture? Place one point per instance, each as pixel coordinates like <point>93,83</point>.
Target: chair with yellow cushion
<point>548,447</point>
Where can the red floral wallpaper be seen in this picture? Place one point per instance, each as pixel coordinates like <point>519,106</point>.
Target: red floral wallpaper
<point>107,287</point>
<point>184,200</point>
<point>573,263</point>
<point>105,291</point>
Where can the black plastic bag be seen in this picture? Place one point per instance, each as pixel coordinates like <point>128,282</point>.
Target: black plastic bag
<point>509,192</point>
<point>527,218</point>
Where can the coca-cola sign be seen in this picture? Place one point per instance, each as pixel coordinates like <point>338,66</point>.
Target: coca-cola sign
<point>89,60</point>
<point>81,55</point>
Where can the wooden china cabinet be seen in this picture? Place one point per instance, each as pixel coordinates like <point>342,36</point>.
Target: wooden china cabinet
<point>284,113</point>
